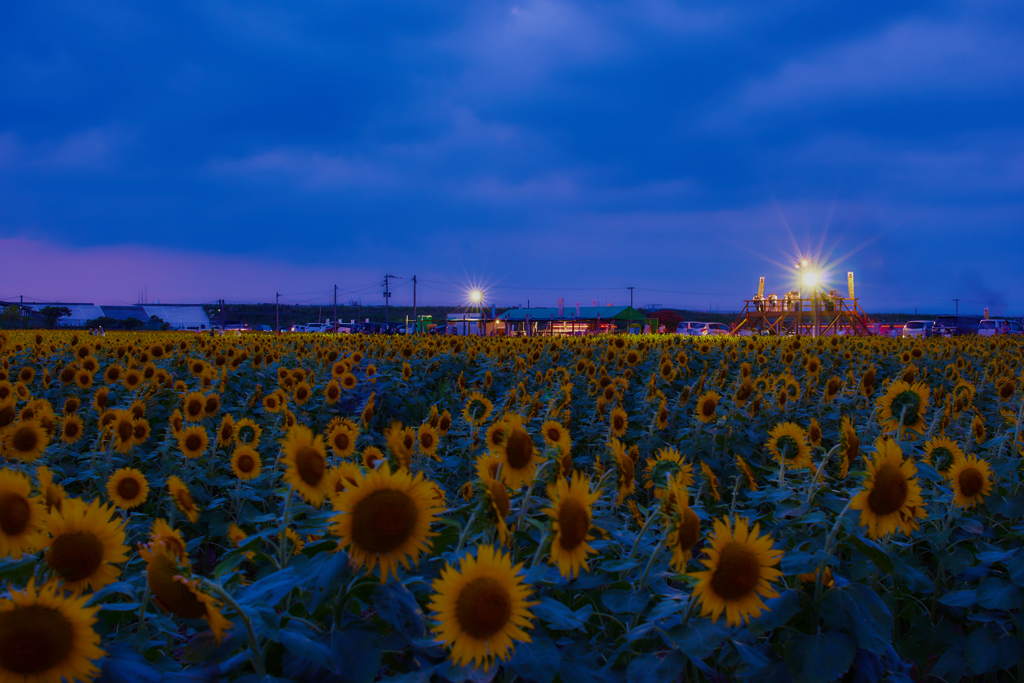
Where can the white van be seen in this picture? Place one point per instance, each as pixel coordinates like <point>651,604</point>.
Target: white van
<point>989,327</point>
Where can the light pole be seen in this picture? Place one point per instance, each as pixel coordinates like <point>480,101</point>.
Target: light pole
<point>477,298</point>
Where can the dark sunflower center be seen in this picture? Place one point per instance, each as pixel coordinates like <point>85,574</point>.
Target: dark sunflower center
<point>852,447</point>
<point>909,400</point>
<point>310,464</point>
<point>193,442</point>
<point>499,496</point>
<point>128,488</point>
<point>519,449</point>
<point>689,529</point>
<point>26,440</point>
<point>484,607</point>
<point>626,471</point>
<point>125,430</point>
<point>573,523</point>
<point>815,433</point>
<point>138,431</point>
<point>71,429</point>
<point>426,440</point>
<point>194,408</point>
<point>444,424</point>
<point>383,521</point>
<point>75,556</point>
<point>889,490</point>
<point>172,595</point>
<point>737,572</point>
<point>971,482</point>
<point>942,456</point>
<point>246,464</point>
<point>33,639</point>
<point>14,513</point>
<point>707,408</point>
<point>833,387</point>
<point>617,419</point>
<point>341,440</point>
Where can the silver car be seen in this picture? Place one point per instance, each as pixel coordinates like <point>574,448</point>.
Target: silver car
<point>714,328</point>
<point>918,328</point>
<point>690,327</point>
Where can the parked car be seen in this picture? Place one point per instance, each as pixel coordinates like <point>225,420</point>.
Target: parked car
<point>444,329</point>
<point>990,327</point>
<point>262,328</point>
<point>955,325</point>
<point>316,327</point>
<point>918,328</point>
<point>690,327</point>
<point>714,328</point>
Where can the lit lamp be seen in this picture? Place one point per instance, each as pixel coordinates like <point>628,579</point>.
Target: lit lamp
<point>477,298</point>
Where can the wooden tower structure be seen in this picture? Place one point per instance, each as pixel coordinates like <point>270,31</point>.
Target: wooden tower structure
<point>815,316</point>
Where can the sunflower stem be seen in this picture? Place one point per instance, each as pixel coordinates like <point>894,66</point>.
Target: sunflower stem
<point>735,494</point>
<point>899,432</point>
<point>647,569</point>
<point>817,475</point>
<point>256,656</point>
<point>540,548</point>
<point>283,535</point>
<point>465,532</point>
<point>782,466</point>
<point>639,536</point>
<point>819,581</point>
<point>529,492</point>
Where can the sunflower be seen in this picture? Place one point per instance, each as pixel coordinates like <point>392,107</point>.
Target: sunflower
<point>849,446</point>
<point>740,569</point>
<point>833,386</point>
<point>83,379</point>
<point>123,431</point>
<point>867,382</point>
<point>272,403</point>
<point>444,423</point>
<point>789,438</point>
<point>71,429</point>
<point>366,416</point>
<point>372,457</point>
<point>683,526</point>
<point>711,479</point>
<point>348,381</point>
<point>245,462</point>
<point>342,438</point>
<point>132,379</point>
<point>891,499</point>
<point>942,452</point>
<point>247,432</point>
<point>175,593</point>
<point>161,532</point>
<point>127,488</point>
<point>140,431</point>
<point>385,518</point>
<point>332,392</point>
<point>618,422</point>
<point>53,494</point>
<point>706,406</point>
<point>87,543</point>
<point>211,405</point>
<point>908,402</point>
<point>625,469</point>
<point>426,436</point>
<point>495,437</point>
<point>302,393</point>
<point>47,636</point>
<point>25,440</point>
<point>226,431</point>
<point>341,477</point>
<point>556,436</point>
<point>496,493</point>
<point>182,498</point>
<point>1006,388</point>
<point>22,517</point>
<point>481,608</point>
<point>571,513</point>
<point>978,428</point>
<point>667,464</point>
<point>305,458</point>
<point>478,408</point>
<point>814,433</point>
<point>747,472</point>
<point>193,407</point>
<point>519,456</point>
<point>193,441</point>
<point>971,478</point>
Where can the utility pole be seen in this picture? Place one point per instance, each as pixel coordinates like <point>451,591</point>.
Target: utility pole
<point>335,308</point>
<point>630,296</point>
<point>21,311</point>
<point>387,297</point>
<point>957,302</point>
<point>222,312</point>
<point>415,318</point>
<point>277,313</point>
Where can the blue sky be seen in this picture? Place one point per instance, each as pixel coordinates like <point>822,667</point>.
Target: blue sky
<point>542,148</point>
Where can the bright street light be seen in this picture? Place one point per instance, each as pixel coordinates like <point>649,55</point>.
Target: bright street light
<point>810,279</point>
<point>476,296</point>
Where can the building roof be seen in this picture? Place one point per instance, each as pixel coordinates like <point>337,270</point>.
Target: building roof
<point>80,313</point>
<point>125,312</point>
<point>178,316</point>
<point>569,313</point>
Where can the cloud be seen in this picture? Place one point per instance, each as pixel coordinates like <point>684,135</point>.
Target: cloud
<point>309,169</point>
<point>92,149</point>
<point>910,57</point>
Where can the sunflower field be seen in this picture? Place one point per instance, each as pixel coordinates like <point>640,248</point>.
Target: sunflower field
<point>355,508</point>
